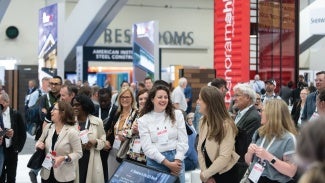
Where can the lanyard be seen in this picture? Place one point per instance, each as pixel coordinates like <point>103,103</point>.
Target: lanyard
<point>267,148</point>
<point>87,121</point>
<point>100,111</point>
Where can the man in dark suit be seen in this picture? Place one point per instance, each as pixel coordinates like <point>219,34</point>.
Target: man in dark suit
<point>14,139</point>
<point>248,118</point>
<point>310,105</point>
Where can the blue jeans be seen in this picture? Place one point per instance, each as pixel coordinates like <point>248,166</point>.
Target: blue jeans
<point>2,158</point>
<point>170,156</point>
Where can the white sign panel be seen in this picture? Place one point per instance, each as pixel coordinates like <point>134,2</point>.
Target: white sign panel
<point>317,21</point>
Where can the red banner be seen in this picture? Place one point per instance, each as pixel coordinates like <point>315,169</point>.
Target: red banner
<point>231,41</point>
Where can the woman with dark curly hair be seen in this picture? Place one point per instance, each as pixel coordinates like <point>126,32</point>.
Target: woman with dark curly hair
<point>92,135</point>
<point>162,133</point>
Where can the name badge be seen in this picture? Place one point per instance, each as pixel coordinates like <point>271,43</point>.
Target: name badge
<point>136,146</point>
<point>117,142</point>
<point>256,172</point>
<point>48,161</point>
<point>162,136</point>
<point>84,136</point>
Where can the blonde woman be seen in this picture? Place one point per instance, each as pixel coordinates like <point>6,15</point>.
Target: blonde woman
<point>273,146</point>
<point>123,120</point>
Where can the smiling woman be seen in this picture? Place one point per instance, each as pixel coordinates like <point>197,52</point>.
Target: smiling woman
<point>122,122</point>
<point>162,133</point>
<point>93,137</point>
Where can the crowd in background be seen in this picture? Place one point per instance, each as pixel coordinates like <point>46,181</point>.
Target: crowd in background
<point>87,131</point>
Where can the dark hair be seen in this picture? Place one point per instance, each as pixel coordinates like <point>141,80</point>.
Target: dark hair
<point>161,82</point>
<point>71,88</point>
<point>86,90</point>
<point>147,78</point>
<point>124,82</point>
<point>86,104</point>
<point>140,93</point>
<point>58,77</point>
<point>218,82</point>
<point>141,85</point>
<point>320,72</point>
<point>104,91</point>
<point>66,112</point>
<point>148,107</point>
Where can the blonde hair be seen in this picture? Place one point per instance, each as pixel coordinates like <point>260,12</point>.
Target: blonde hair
<point>133,103</point>
<point>278,119</point>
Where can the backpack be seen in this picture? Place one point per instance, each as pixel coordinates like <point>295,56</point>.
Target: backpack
<point>242,142</point>
<point>33,117</point>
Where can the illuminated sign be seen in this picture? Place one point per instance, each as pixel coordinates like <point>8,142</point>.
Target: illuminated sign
<point>231,41</point>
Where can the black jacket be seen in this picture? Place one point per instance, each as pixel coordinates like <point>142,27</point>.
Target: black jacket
<point>18,125</point>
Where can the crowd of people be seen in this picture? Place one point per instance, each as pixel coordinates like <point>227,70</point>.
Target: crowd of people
<point>87,131</point>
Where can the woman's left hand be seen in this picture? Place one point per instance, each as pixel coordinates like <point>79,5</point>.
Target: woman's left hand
<point>262,153</point>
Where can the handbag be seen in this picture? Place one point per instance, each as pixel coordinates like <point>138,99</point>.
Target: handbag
<point>122,151</point>
<point>36,160</point>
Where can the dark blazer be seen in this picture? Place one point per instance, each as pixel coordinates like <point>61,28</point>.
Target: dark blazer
<point>18,125</point>
<point>250,122</point>
<point>309,107</point>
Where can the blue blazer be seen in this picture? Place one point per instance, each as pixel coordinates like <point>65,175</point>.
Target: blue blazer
<point>309,107</point>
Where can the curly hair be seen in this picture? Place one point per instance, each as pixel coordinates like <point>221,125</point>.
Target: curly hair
<point>86,104</point>
<point>149,106</point>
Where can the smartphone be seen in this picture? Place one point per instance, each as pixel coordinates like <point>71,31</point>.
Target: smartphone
<point>3,132</point>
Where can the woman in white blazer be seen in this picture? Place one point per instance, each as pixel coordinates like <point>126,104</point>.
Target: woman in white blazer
<point>62,146</point>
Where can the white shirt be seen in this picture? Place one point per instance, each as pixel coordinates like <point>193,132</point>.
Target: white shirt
<point>7,123</point>
<point>149,126</point>
<point>178,96</point>
<point>242,113</point>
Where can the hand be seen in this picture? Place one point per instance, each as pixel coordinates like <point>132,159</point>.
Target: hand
<point>1,140</point>
<point>135,129</point>
<point>107,146</point>
<point>10,133</point>
<point>252,148</point>
<point>175,167</point>
<point>121,137</point>
<point>262,153</point>
<point>88,145</point>
<point>40,145</point>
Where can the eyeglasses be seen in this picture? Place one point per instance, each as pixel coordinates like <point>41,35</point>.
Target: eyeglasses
<point>258,98</point>
<point>303,93</point>
<point>54,84</point>
<point>125,97</point>
<point>54,109</point>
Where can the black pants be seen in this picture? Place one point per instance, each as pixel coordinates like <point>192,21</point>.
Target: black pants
<point>104,156</point>
<point>229,176</point>
<point>52,179</point>
<point>267,180</point>
<point>10,165</point>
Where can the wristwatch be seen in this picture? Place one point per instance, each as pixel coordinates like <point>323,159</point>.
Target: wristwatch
<point>273,160</point>
<point>66,158</point>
